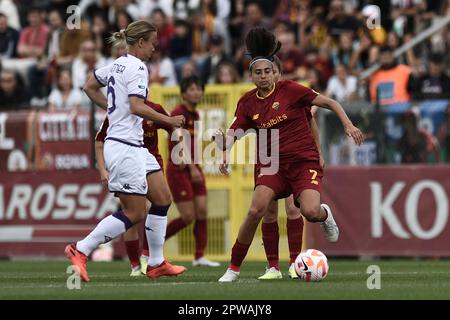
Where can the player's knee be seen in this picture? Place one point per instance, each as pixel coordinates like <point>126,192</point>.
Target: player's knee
<point>311,213</point>
<point>255,214</point>
<point>188,217</point>
<point>136,216</point>
<point>201,213</point>
<point>270,216</point>
<point>164,199</point>
<point>293,212</point>
<point>160,197</point>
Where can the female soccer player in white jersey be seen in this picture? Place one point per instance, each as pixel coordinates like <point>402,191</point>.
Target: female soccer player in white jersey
<point>127,162</point>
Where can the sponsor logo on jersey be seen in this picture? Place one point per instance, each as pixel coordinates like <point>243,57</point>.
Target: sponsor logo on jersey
<point>273,121</point>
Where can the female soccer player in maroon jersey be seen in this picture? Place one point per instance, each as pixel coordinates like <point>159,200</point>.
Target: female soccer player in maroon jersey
<point>280,106</point>
<point>294,221</point>
<point>187,182</point>
<point>138,259</point>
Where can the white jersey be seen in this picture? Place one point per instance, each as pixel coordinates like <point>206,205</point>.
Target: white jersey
<point>125,77</point>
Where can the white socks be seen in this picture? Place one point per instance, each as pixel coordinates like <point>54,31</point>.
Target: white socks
<point>155,229</point>
<point>106,230</point>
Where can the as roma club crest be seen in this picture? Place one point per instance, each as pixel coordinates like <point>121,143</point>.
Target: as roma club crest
<point>276,105</point>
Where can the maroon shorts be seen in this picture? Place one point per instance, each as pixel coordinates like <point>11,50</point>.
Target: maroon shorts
<point>181,185</point>
<point>292,178</point>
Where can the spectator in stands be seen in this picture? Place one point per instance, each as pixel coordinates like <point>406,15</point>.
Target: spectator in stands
<point>314,80</point>
<point>164,27</point>
<point>127,6</point>
<point>435,84</point>
<point>360,56</point>
<point>161,69</point>
<point>42,74</point>
<point>70,43</point>
<point>8,38</point>
<point>99,7</point>
<point>340,21</point>
<point>290,56</point>
<point>235,23</point>
<point>342,86</point>
<point>404,13</point>
<point>56,24</point>
<point>64,96</point>
<point>254,17</point>
<point>311,28</point>
<point>33,39</point>
<point>122,19</point>
<point>226,73</point>
<point>181,46</point>
<point>189,69</point>
<point>318,59</point>
<point>343,53</point>
<point>101,34</point>
<point>391,81</point>
<point>88,60</point>
<point>416,144</point>
<point>204,26</point>
<point>13,93</point>
<point>9,9</point>
<point>223,8</point>
<point>216,55</point>
<point>146,7</point>
<point>211,10</point>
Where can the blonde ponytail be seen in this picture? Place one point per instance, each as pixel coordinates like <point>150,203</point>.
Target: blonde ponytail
<point>133,32</point>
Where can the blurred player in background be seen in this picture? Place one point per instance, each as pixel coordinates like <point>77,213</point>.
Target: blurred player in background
<point>186,181</point>
<point>294,221</point>
<point>138,259</point>
<point>127,162</point>
<point>280,106</point>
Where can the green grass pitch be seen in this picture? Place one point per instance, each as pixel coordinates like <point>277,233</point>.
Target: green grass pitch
<point>347,279</point>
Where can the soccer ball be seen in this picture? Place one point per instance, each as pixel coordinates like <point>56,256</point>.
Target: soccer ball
<point>311,265</point>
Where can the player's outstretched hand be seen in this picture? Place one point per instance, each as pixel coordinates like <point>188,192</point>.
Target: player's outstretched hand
<point>219,138</point>
<point>177,121</point>
<point>354,133</point>
<point>223,168</point>
<point>104,177</point>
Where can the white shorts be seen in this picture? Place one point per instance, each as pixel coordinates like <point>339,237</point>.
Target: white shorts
<point>126,165</point>
<point>151,165</point>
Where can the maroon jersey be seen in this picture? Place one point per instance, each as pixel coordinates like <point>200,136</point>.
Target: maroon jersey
<point>150,131</point>
<point>285,109</point>
<point>190,117</point>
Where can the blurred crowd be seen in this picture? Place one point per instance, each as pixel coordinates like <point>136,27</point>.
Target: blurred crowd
<point>326,43</point>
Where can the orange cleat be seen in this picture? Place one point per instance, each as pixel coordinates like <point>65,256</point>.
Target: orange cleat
<point>164,269</point>
<point>78,259</point>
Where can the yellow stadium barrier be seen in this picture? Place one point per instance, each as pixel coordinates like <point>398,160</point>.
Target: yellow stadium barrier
<point>228,197</point>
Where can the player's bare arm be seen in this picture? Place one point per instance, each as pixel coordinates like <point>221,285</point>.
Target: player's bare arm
<point>333,105</point>
<point>101,163</point>
<point>138,107</point>
<point>315,133</point>
<point>92,89</point>
<point>224,143</point>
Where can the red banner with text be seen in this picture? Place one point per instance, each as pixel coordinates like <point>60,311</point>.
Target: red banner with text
<point>41,212</point>
<point>386,211</point>
<point>63,141</point>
